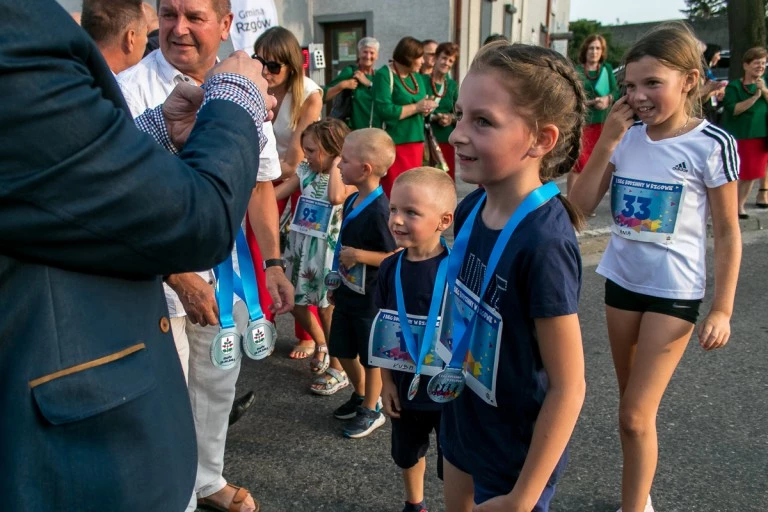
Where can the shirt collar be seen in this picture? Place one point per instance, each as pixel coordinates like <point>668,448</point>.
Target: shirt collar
<point>169,73</point>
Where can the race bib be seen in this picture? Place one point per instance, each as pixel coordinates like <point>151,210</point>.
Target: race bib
<point>353,278</point>
<point>387,348</point>
<point>482,360</point>
<point>645,211</point>
<point>312,217</point>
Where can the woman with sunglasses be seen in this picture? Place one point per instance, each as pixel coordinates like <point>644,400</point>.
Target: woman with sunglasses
<point>358,78</point>
<point>299,102</point>
<point>402,101</point>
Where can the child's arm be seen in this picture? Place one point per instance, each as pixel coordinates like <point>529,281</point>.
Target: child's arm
<point>389,396</point>
<point>563,358</point>
<point>590,187</point>
<point>287,187</point>
<point>338,192</point>
<point>349,257</point>
<point>715,330</point>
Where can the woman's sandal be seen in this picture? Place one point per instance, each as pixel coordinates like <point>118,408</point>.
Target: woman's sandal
<point>319,364</point>
<point>761,205</point>
<point>329,382</point>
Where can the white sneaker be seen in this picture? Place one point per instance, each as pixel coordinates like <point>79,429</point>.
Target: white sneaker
<point>648,506</point>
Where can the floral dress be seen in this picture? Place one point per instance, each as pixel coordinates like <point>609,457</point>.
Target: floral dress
<point>308,259</point>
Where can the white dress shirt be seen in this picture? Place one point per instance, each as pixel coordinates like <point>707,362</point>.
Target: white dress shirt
<point>148,84</point>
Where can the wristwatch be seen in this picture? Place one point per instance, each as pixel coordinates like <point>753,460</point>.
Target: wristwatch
<point>274,262</point>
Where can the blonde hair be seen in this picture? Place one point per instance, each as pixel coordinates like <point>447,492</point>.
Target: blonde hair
<point>375,147</point>
<point>546,90</point>
<point>432,181</point>
<point>282,46</point>
<point>674,45</point>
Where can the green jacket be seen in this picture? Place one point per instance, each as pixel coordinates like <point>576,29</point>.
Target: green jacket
<point>362,100</point>
<point>750,124</point>
<point>595,116</point>
<point>445,106</point>
<point>389,100</point>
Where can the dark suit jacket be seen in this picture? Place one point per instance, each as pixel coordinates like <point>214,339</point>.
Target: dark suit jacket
<point>94,412</point>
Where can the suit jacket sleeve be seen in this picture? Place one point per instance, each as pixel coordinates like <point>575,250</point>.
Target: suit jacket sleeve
<point>81,188</point>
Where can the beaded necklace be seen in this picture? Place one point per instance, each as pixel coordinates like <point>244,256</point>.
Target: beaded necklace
<point>434,88</point>
<point>746,89</point>
<point>593,75</point>
<point>413,79</point>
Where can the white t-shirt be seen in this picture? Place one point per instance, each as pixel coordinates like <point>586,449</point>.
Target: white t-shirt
<point>660,209</point>
<point>147,85</point>
<point>282,123</point>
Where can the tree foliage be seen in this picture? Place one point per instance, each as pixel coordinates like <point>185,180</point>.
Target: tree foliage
<point>703,9</point>
<point>581,29</point>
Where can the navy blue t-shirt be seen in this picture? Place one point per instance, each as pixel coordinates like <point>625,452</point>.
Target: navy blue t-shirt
<point>368,231</point>
<point>418,279</point>
<point>538,276</point>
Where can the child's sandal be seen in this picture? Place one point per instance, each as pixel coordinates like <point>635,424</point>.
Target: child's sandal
<point>320,364</point>
<point>330,382</point>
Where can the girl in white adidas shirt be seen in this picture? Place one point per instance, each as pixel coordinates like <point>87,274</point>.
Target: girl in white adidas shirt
<point>666,172</point>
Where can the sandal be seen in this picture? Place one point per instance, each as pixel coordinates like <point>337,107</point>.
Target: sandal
<point>761,205</point>
<point>319,364</point>
<point>300,351</point>
<point>330,382</point>
<point>236,505</point>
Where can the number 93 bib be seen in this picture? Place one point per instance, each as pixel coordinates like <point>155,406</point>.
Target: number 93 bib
<point>645,211</point>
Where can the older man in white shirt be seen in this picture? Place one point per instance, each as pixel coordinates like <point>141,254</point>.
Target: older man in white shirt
<point>190,34</point>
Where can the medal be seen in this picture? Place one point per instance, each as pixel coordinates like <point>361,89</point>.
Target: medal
<point>332,280</point>
<point>225,349</point>
<point>446,385</point>
<point>259,339</point>
<point>414,387</point>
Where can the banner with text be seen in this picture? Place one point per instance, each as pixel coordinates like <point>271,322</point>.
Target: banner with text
<point>251,19</point>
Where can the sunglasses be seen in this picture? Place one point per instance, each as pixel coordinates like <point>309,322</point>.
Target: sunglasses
<point>272,66</point>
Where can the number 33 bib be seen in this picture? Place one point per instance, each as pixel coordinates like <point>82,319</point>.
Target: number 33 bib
<point>645,211</point>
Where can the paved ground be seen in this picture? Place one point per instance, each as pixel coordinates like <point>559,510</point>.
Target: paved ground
<point>713,424</point>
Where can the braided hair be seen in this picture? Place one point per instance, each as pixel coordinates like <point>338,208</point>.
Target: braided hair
<point>547,90</point>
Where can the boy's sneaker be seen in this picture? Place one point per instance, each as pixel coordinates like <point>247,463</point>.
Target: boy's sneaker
<point>365,422</point>
<point>415,507</point>
<point>348,409</point>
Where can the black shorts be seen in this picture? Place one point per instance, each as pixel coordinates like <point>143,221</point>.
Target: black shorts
<point>410,438</point>
<point>621,298</point>
<point>349,336</point>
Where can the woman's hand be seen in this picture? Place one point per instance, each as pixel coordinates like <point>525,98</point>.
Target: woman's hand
<point>360,77</point>
<point>425,105</point>
<point>350,83</point>
<point>602,103</point>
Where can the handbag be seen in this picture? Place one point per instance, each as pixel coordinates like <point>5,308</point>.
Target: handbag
<point>433,155</point>
<point>341,107</point>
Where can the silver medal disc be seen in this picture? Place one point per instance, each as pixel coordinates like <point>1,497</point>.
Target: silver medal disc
<point>259,339</point>
<point>446,385</point>
<point>414,387</point>
<point>332,280</point>
<point>225,349</point>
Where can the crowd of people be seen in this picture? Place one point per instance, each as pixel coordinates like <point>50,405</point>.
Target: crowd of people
<point>479,342</point>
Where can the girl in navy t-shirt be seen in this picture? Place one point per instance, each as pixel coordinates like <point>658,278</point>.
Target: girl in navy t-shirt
<point>520,113</point>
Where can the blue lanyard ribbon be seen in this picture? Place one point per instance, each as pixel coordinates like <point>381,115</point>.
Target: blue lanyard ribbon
<point>462,329</point>
<point>224,292</point>
<point>349,216</point>
<point>434,309</point>
<point>244,286</point>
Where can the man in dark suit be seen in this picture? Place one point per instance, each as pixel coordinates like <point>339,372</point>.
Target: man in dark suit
<point>95,412</point>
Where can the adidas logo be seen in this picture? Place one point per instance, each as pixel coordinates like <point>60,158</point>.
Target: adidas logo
<point>680,167</point>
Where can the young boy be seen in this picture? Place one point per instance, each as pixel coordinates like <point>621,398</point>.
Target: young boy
<point>365,240</point>
<point>421,208</point>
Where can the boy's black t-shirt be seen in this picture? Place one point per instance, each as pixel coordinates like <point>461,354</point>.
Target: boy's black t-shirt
<point>418,280</point>
<point>538,276</point>
<point>368,231</point>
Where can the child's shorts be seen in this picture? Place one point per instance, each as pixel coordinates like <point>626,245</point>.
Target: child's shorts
<point>349,336</point>
<point>410,438</point>
<point>621,298</point>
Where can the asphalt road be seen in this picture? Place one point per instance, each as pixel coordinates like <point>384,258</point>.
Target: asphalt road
<point>713,424</point>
